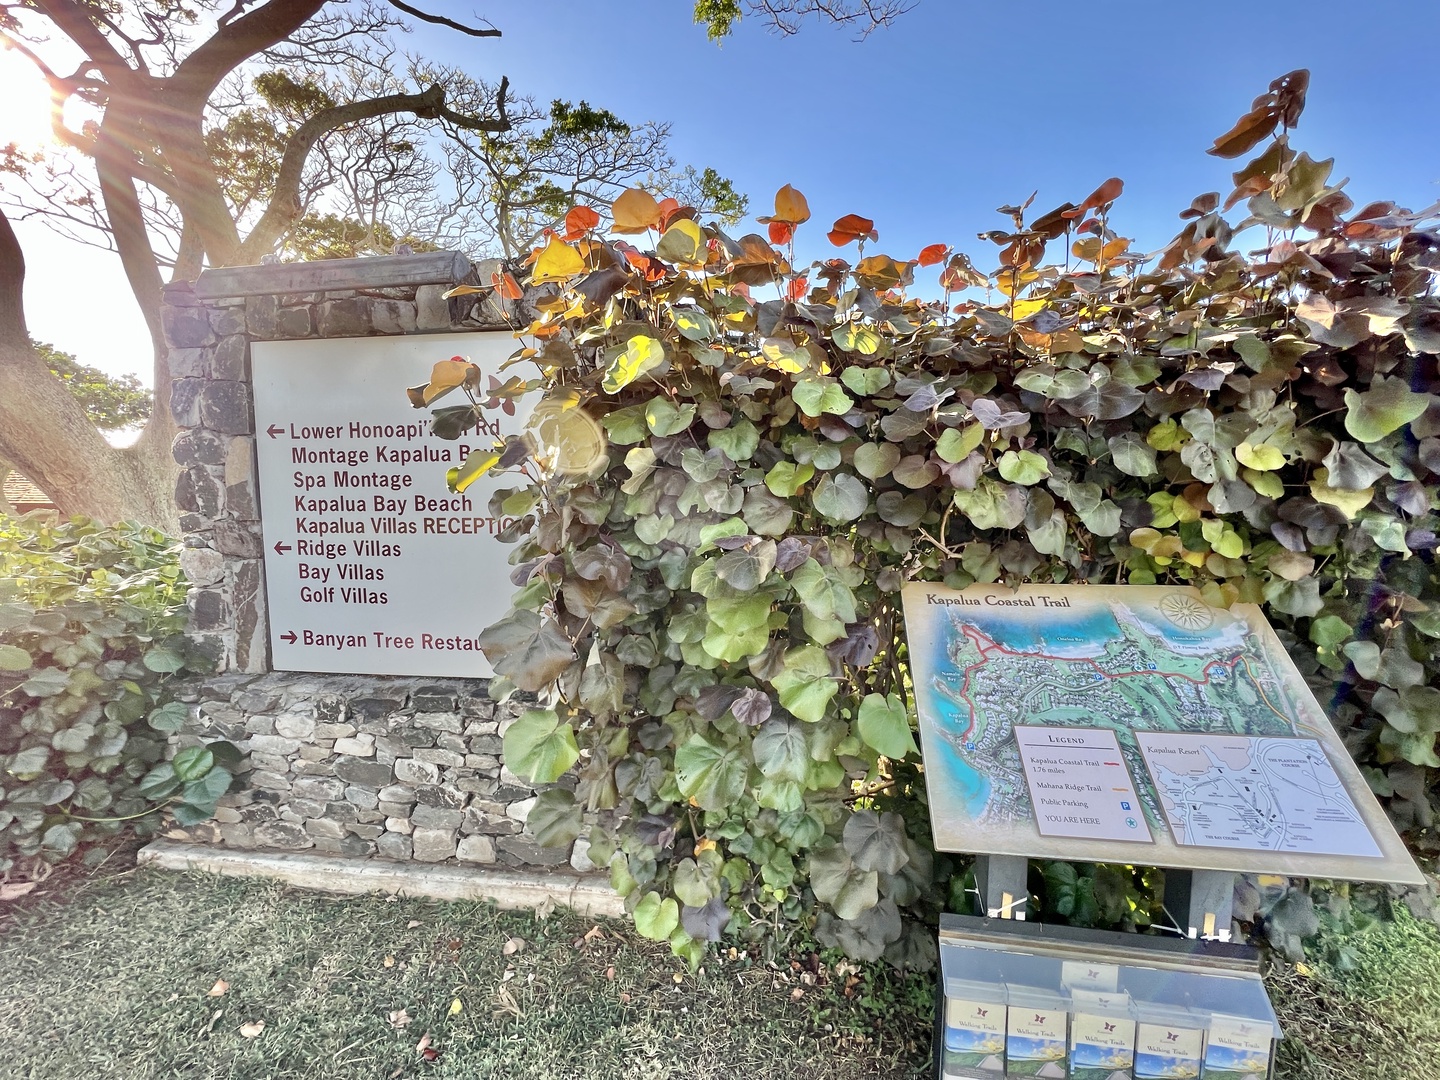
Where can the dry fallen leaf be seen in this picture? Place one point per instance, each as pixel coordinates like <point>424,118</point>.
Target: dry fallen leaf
<point>796,994</point>
<point>252,1029</point>
<point>399,1019</point>
<point>507,1006</point>
<point>610,972</point>
<point>211,1025</point>
<point>593,933</point>
<point>624,998</point>
<point>15,890</point>
<point>218,990</point>
<point>412,924</point>
<point>545,909</point>
<point>455,1007</point>
<point>513,946</point>
<point>507,975</point>
<point>389,961</point>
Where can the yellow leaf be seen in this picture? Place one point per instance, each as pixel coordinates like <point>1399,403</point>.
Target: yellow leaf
<point>558,262</point>
<point>463,290</point>
<point>456,1007</point>
<point>1348,503</point>
<point>634,211</point>
<point>1262,458</point>
<point>446,376</point>
<point>705,844</point>
<point>1266,483</point>
<point>476,465</point>
<point>641,355</point>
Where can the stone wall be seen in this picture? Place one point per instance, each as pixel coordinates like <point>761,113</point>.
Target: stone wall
<point>348,765</point>
<point>362,765</point>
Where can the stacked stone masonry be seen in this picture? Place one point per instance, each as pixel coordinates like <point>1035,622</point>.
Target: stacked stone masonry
<point>349,765</point>
<point>360,766</point>
<point>209,340</point>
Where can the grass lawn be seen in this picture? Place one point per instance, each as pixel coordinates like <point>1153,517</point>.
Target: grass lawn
<point>109,976</point>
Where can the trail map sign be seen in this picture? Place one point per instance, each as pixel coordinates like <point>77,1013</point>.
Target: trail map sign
<point>1133,724</point>
<point>371,564</point>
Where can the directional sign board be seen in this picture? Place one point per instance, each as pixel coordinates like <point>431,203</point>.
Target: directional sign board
<point>371,564</point>
<point>1133,724</point>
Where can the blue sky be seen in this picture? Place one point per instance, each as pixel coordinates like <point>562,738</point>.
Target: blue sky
<point>929,125</point>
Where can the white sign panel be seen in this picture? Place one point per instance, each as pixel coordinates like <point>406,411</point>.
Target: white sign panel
<point>371,564</point>
<point>1079,784</point>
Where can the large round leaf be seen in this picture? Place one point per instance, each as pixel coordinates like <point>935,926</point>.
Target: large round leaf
<point>837,881</point>
<point>539,746</point>
<point>805,684</point>
<point>876,841</point>
<point>655,918</point>
<point>884,724</point>
<point>714,776</point>
<point>841,497</point>
<point>554,820</point>
<point>781,750</point>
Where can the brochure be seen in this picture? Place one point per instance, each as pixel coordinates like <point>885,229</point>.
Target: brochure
<point>1035,1034</point>
<point>1102,1036</point>
<point>1238,1048</point>
<point>974,1039</point>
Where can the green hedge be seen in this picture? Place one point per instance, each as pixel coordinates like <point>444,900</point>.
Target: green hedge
<point>91,622</point>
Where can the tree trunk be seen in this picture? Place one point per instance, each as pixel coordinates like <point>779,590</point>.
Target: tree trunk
<point>46,435</point>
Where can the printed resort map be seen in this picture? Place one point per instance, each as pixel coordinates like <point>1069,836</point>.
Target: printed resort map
<point>1133,724</point>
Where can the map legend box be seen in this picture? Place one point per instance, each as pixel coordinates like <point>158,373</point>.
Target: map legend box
<point>1079,785</point>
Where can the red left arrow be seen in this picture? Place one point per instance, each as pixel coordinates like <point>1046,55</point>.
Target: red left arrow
<point>281,548</point>
<point>273,430</point>
<point>288,637</point>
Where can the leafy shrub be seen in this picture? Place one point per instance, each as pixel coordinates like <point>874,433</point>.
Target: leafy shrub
<point>721,496</point>
<point>90,638</point>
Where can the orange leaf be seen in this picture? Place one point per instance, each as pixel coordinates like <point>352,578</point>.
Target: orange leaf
<point>852,227</point>
<point>635,211</point>
<point>795,292</point>
<point>933,254</point>
<point>506,285</point>
<point>1248,130</point>
<point>790,208</point>
<point>781,232</point>
<point>579,221</point>
<point>671,212</point>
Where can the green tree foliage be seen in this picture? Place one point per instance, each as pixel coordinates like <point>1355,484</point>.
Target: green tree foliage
<point>91,623</point>
<point>714,599</point>
<point>112,402</point>
<point>510,186</point>
<point>720,17</point>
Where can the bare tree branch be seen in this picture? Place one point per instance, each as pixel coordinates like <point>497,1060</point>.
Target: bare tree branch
<point>440,20</point>
<point>284,207</point>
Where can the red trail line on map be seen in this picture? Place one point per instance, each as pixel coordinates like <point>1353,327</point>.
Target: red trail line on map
<point>987,645</point>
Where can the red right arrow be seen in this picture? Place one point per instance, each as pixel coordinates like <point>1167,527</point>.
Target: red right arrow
<point>281,548</point>
<point>274,429</point>
<point>288,637</point>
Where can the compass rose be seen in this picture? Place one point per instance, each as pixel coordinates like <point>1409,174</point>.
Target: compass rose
<point>1186,612</point>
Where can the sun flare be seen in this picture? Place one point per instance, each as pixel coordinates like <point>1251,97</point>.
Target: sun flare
<point>24,103</point>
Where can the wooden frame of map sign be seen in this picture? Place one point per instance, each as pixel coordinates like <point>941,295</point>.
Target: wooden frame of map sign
<point>1212,685</point>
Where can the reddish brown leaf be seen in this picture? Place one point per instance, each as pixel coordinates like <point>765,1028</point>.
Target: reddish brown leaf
<point>852,227</point>
<point>1248,130</point>
<point>934,253</point>
<point>797,289</point>
<point>671,211</point>
<point>781,232</point>
<point>1104,195</point>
